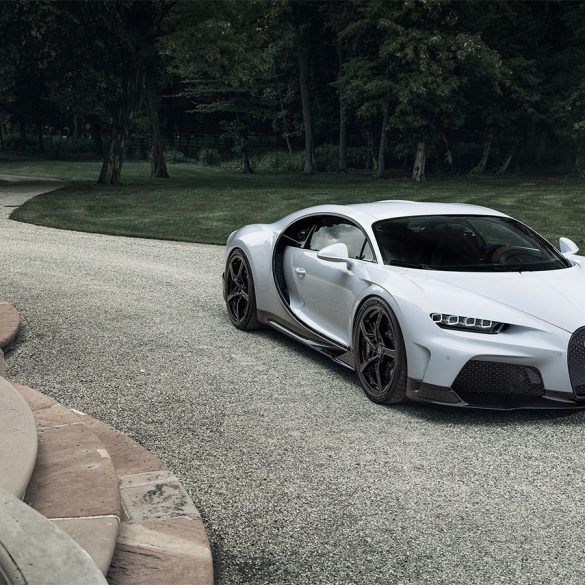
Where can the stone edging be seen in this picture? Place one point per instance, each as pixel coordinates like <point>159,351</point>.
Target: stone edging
<point>18,440</point>
<point>154,516</point>
<point>9,324</point>
<point>158,518</point>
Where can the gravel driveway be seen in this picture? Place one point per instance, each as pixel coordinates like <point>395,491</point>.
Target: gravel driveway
<point>299,477</point>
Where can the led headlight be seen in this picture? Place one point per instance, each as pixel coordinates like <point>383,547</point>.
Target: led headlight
<point>460,323</point>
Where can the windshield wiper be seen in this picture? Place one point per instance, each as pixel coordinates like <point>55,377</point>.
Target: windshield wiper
<point>403,264</point>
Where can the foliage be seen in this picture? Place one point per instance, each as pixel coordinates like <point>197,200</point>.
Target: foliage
<point>174,156</point>
<point>279,161</point>
<point>209,157</point>
<point>454,75</point>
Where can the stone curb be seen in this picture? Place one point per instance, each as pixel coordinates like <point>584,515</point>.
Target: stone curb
<point>9,324</point>
<point>158,518</point>
<point>33,551</point>
<point>18,440</point>
<point>74,483</point>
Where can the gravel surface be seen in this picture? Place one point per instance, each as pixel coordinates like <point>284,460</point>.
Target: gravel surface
<point>300,479</point>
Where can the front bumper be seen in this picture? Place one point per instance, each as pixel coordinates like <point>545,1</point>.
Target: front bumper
<point>430,393</point>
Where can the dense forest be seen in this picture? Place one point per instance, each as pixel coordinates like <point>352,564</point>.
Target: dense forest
<point>406,86</point>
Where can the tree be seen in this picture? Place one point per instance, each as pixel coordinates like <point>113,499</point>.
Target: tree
<point>130,31</point>
<point>219,52</point>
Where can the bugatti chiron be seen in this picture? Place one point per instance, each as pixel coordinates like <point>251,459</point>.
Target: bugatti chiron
<point>445,303</point>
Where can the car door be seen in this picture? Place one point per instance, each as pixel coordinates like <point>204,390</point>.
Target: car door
<point>323,293</point>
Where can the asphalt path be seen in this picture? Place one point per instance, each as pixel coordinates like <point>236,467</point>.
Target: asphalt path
<point>300,479</point>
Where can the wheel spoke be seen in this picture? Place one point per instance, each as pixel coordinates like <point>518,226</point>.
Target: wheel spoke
<point>366,335</point>
<point>237,307</point>
<point>369,362</point>
<point>379,376</point>
<point>391,353</point>
<point>377,324</point>
<point>244,295</point>
<point>233,296</point>
<point>240,268</point>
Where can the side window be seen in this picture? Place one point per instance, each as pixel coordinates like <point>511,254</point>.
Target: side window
<point>333,230</point>
<point>297,234</point>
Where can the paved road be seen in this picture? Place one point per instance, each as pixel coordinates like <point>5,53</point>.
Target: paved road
<point>299,478</point>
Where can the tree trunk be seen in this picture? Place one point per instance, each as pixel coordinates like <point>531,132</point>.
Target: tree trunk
<point>370,151</point>
<point>245,163</point>
<point>115,153</point>
<point>40,137</point>
<point>285,126</point>
<point>128,102</point>
<point>504,166</point>
<point>420,161</point>
<point>479,168</point>
<point>96,135</point>
<point>22,128</point>
<point>580,164</point>
<point>75,128</point>
<point>540,149</point>
<point>288,144</point>
<point>342,168</point>
<point>380,167</point>
<point>158,165</point>
<point>304,83</point>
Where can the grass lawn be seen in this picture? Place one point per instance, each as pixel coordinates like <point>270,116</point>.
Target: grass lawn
<point>205,204</point>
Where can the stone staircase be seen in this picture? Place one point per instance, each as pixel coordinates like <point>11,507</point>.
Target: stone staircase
<point>108,510</point>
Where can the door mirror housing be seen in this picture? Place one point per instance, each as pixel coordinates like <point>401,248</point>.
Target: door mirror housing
<point>335,253</point>
<point>568,247</point>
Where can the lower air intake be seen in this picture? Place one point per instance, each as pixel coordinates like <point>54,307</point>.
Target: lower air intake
<point>499,378</point>
<point>576,358</point>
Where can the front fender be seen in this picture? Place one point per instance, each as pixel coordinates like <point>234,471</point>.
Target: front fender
<point>257,242</point>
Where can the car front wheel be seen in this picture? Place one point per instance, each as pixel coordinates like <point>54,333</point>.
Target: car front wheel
<point>240,298</point>
<point>379,353</point>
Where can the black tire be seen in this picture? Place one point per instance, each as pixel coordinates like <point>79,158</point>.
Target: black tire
<point>239,294</point>
<point>379,353</point>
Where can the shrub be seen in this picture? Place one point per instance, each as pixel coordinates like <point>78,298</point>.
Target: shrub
<point>209,157</point>
<point>276,160</point>
<point>68,149</point>
<point>174,156</point>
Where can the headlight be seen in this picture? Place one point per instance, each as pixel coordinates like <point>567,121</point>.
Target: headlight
<point>467,323</point>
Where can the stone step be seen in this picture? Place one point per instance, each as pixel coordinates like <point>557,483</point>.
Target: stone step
<point>74,483</point>
<point>18,441</point>
<point>33,551</point>
<point>9,324</point>
<point>159,521</point>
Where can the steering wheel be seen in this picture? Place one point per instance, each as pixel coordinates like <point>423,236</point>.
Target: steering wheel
<point>504,254</point>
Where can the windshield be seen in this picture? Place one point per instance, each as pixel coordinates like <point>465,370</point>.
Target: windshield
<point>469,243</point>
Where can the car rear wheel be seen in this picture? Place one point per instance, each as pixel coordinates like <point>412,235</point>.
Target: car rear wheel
<point>240,298</point>
<point>379,353</point>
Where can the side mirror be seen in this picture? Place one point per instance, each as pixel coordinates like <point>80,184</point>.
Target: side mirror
<point>568,247</point>
<point>335,253</point>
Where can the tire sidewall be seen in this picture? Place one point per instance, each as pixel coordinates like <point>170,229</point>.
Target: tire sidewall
<point>250,320</point>
<point>397,392</point>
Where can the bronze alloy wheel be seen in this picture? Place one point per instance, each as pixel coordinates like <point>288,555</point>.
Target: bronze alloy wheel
<point>240,298</point>
<point>379,354</point>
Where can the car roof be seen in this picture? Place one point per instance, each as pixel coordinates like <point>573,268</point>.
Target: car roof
<point>398,208</point>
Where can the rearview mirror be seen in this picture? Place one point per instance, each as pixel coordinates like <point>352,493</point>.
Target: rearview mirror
<point>334,253</point>
<point>568,247</point>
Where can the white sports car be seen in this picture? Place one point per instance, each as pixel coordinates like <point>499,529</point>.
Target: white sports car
<point>444,303</point>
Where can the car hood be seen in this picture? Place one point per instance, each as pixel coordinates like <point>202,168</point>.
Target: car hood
<point>554,296</point>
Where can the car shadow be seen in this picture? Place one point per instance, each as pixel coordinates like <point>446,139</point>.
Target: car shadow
<point>452,415</point>
<point>435,413</point>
